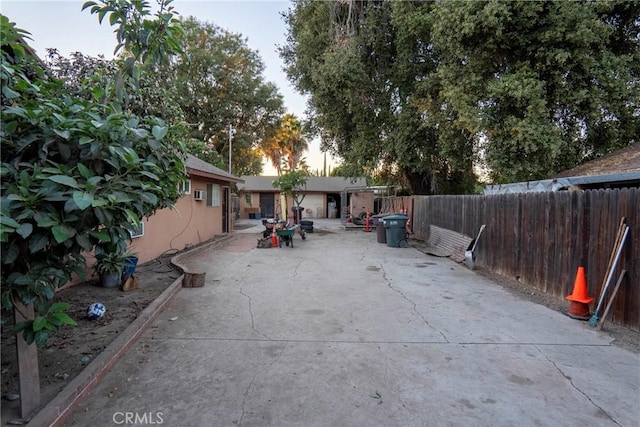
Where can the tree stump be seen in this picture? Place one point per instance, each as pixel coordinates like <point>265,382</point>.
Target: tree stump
<point>193,280</point>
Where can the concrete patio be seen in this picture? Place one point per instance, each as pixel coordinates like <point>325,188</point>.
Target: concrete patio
<point>344,331</point>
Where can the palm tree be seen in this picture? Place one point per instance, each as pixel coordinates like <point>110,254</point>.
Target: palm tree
<point>285,147</point>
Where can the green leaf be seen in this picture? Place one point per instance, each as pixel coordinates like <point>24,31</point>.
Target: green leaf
<point>70,205</point>
<point>63,232</point>
<point>41,337</point>
<point>39,323</point>
<point>38,243</point>
<point>21,326</point>
<point>11,254</point>
<point>16,197</point>
<point>150,175</point>
<point>84,242</point>
<point>63,133</point>
<point>133,217</point>
<point>25,230</point>
<point>11,127</point>
<point>101,235</point>
<point>84,171</point>
<point>159,132</point>
<point>9,93</point>
<point>64,180</point>
<point>64,318</point>
<point>47,221</point>
<point>58,306</point>
<point>82,199</point>
<point>99,202</point>
<point>15,110</point>
<point>28,335</point>
<point>23,280</point>
<point>8,222</point>
<point>88,4</point>
<point>129,63</point>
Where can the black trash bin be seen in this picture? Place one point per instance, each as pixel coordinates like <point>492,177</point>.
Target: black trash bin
<point>378,223</point>
<point>396,231</point>
<point>297,213</point>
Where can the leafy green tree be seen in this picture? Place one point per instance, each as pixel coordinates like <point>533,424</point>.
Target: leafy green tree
<point>221,83</point>
<point>364,72</point>
<point>427,89</point>
<point>546,84</point>
<point>292,183</point>
<point>78,172</point>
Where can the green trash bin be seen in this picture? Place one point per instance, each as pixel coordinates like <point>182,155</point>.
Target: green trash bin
<point>396,231</point>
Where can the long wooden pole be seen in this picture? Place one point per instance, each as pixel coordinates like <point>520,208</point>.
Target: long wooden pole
<point>610,302</point>
<point>28,371</point>
<point>616,243</point>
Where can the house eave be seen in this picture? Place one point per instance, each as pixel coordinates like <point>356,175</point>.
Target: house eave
<point>210,175</point>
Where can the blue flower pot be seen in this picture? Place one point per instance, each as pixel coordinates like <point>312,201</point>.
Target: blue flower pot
<point>130,264</point>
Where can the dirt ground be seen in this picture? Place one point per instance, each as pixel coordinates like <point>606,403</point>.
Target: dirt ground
<point>72,348</point>
<point>68,352</point>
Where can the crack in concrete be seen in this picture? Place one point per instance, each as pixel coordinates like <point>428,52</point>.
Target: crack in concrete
<point>415,310</point>
<point>295,270</point>
<point>570,380</point>
<point>253,325</point>
<point>253,380</point>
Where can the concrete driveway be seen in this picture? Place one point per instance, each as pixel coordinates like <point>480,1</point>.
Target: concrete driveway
<point>344,331</point>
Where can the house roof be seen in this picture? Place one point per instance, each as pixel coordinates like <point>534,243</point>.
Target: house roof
<point>621,161</point>
<point>556,184</point>
<point>195,166</point>
<point>315,184</point>
<point>618,169</point>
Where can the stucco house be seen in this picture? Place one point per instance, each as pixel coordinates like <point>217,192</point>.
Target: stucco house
<point>324,197</point>
<point>203,212</point>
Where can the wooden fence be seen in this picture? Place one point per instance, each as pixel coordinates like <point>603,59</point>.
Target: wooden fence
<point>540,239</point>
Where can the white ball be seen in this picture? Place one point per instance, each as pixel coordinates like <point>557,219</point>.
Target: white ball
<point>96,310</point>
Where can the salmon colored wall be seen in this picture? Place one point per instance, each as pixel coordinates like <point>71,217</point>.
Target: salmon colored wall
<point>191,222</point>
<point>169,230</point>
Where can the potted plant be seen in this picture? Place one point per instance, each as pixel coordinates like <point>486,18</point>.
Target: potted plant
<point>109,266</point>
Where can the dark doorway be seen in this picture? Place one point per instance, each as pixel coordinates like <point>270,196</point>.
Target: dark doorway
<point>225,209</point>
<point>267,205</point>
<point>333,205</point>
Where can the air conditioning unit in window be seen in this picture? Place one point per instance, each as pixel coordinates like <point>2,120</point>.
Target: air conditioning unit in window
<point>199,195</point>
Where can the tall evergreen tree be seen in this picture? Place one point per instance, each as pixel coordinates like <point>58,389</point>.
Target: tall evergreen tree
<point>425,90</point>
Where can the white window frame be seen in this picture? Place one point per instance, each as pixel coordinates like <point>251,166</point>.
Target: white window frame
<point>140,231</point>
<point>185,187</point>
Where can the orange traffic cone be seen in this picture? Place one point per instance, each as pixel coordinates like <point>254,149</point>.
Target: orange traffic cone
<point>579,307</point>
<point>274,237</point>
